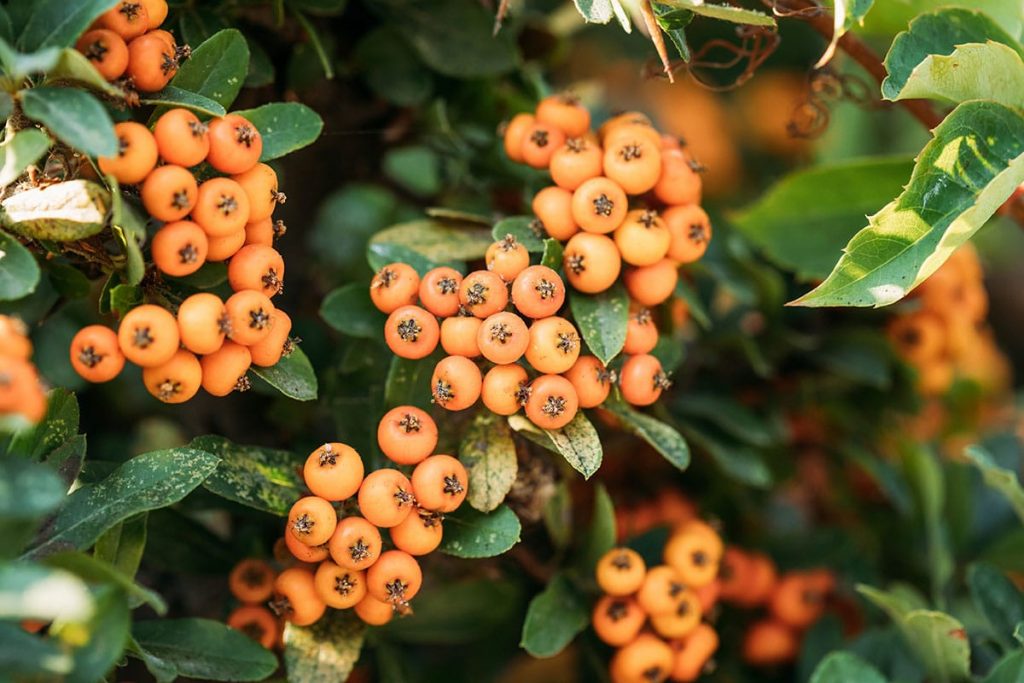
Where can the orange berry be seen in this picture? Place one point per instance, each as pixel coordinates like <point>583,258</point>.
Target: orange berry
<point>395,578</point>
<point>439,291</point>
<point>552,402</point>
<point>634,162</point>
<point>693,652</point>
<point>106,51</point>
<point>456,383</point>
<point>695,552</point>
<point>386,498</point>
<point>592,262</point>
<point>540,140</point>
<point>459,336</point>
<point>257,267</point>
<point>679,182</point>
<point>156,10</point>
<point>620,571</point>
<point>95,354</point>
<point>268,351</point>
<point>312,520</point>
<point>249,317</point>
<point>333,471</point>
<point>651,285</point>
<point>260,185</point>
<point>919,337</point>
<point>136,154</point>
<point>553,208</point>
<point>263,232</point>
<point>152,63</point>
<point>202,323</point>
<point>21,392</point>
<point>503,389</point>
<point>690,231</point>
<point>176,380</point>
<point>394,285</point>
<point>799,598</point>
<point>642,238</point>
<point>565,112</point>
<point>628,124</point>
<point>411,332</point>
<point>591,380</point>
<point>148,335</point>
<point>251,580</point>
<point>538,292</point>
<point>305,553</point>
<point>648,659</point>
<point>515,133</point>
<point>128,19</point>
<point>419,534</point>
<point>181,138</point>
<point>767,643</point>
<point>355,543</point>
<point>235,144</point>
<point>373,611</point>
<point>503,338</point>
<point>483,293</point>
<point>617,620</point>
<point>169,193</point>
<point>734,573</point>
<point>407,435</point>
<point>683,618</point>
<point>296,599</point>
<point>641,332</point>
<point>576,161</point>
<point>440,483</point>
<point>339,587</point>
<point>14,339</point>
<point>599,205</point>
<point>762,580</point>
<point>257,622</point>
<point>225,246</point>
<point>179,248</point>
<point>507,258</point>
<point>661,588</point>
<point>554,345</point>
<point>225,369</point>
<point>222,207</point>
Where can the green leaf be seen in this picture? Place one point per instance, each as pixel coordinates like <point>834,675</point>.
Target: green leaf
<point>662,437</point>
<point>519,227</point>
<point>489,454</point>
<point>471,534</point>
<point>803,222</point>
<point>293,376</point>
<point>32,591</point>
<point>846,14</point>
<point>19,66</point>
<point>284,127</point>
<point>927,479</point>
<point>845,666</point>
<point>554,618</point>
<point>130,229</point>
<point>673,22</point>
<point>58,23</point>
<point>172,96</point>
<point>408,382</point>
<point>122,545</point>
<point>990,71</point>
<point>998,600</point>
<point>601,534</point>
<point>204,649</point>
<point>729,415</point>
<point>350,311</point>
<point>602,12</point>
<point>320,49</point>
<point>107,633</point>
<point>59,426</point>
<point>74,116</point>
<point>390,67</point>
<point>602,320</point>
<point>552,256</point>
<point>457,613</point>
<point>97,571</point>
<point>1009,669</point>
<point>72,65</point>
<point>216,69</point>
<point>577,441</point>
<point>146,482</point>
<point>738,461</point>
<point>911,57</point>
<point>685,291</point>
<point>19,151</point>
<point>26,656</point>
<point>19,272</point>
<point>262,478</point>
<point>415,168</point>
<point>434,240</point>
<point>326,651</point>
<point>736,15</point>
<point>1001,479</point>
<point>972,165</point>
<point>28,490</point>
<point>124,298</point>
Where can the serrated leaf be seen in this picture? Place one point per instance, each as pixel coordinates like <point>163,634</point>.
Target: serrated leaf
<point>74,116</point>
<point>173,96</point>
<point>19,151</point>
<point>489,455</point>
<point>326,651</point>
<point>435,240</point>
<point>263,478</point>
<point>205,650</point>
<point>1003,480</point>
<point>828,203</point>
<point>350,310</point>
<point>602,320</point>
<point>846,14</point>
<point>56,23</point>
<point>972,165</point>
<point>217,69</point>
<point>284,127</point>
<point>577,442</point>
<point>293,376</point>
<point>19,272</point>
<point>519,227</point>
<point>736,15</point>
<point>660,436</point>
<point>555,617</point>
<point>989,71</point>
<point>469,533</point>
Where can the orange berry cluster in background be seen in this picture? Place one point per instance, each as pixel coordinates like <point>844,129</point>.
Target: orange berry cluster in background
<point>589,207</point>
<point>126,42</point>
<point>251,582</point>
<point>21,391</point>
<point>659,618</point>
<point>945,334</point>
<point>344,561</point>
<point>206,342</point>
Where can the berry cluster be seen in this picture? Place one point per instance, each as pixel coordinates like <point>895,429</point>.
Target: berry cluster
<point>945,334</point>
<point>21,392</point>
<point>231,218</point>
<point>354,570</point>
<point>251,582</point>
<point>594,177</point>
<point>126,44</point>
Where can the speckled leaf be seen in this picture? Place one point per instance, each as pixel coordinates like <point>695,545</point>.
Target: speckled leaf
<point>177,97</point>
<point>552,256</point>
<point>489,454</point>
<point>217,68</point>
<point>555,616</point>
<point>602,320</point>
<point>146,482</point>
<point>577,442</point>
<point>205,650</point>
<point>59,426</point>
<point>325,651</point>
<point>293,376</point>
<point>999,478</point>
<point>519,227</point>
<point>663,438</point>
<point>436,241</point>
<point>971,166</point>
<point>284,127</point>
<point>262,478</point>
<point>472,534</point>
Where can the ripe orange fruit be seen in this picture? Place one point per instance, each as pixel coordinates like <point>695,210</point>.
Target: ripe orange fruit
<point>642,239</point>
<point>661,588</point>
<point>599,205</point>
<point>540,141</point>
<point>296,599</point>
<point>179,248</point>
<point>483,293</point>
<point>554,345</point>
<point>355,543</point>
<point>503,338</point>
<point>919,337</point>
<point>386,498</point>
<point>128,19</point>
<point>249,317</point>
<point>642,380</point>
<point>395,578</point>
<point>257,622</point>
<point>106,50</point>
<point>260,186</point>
<point>651,285</point>
<point>695,552</point>
<point>592,262</point>
<point>407,435</point>
<point>800,598</point>
<point>768,642</point>
<point>633,162</point>
<point>439,291</point>
<point>312,520</point>
<point>251,580</point>
<point>552,403</point>
<point>225,369</point>
<point>394,285</point>
<point>148,335</point>
<point>235,144</point>
<point>411,332</point>
<point>95,354</point>
<point>620,571</point>
<point>690,231</point>
<point>333,471</point>
<point>515,133</point>
<point>181,138</point>
<point>152,63</point>
<point>459,336</point>
<point>419,534</point>
<point>169,193</point>
<point>693,652</point>
<point>648,659</point>
<point>440,483</point>
<point>575,162</point>
<point>641,332</point>
<point>591,380</point>
<point>156,10</point>
<point>203,323</point>
<point>222,207</point>
<point>14,339</point>
<point>504,389</point>
<point>456,383</point>
<point>373,611</point>
<point>538,292</point>
<point>553,207</point>
<point>507,258</point>
<point>310,554</point>
<point>176,380</point>
<point>339,587</point>
<point>679,182</point>
<point>682,619</point>
<point>565,112</point>
<point>617,620</point>
<point>264,232</point>
<point>268,351</point>
<point>225,246</point>
<point>258,267</point>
